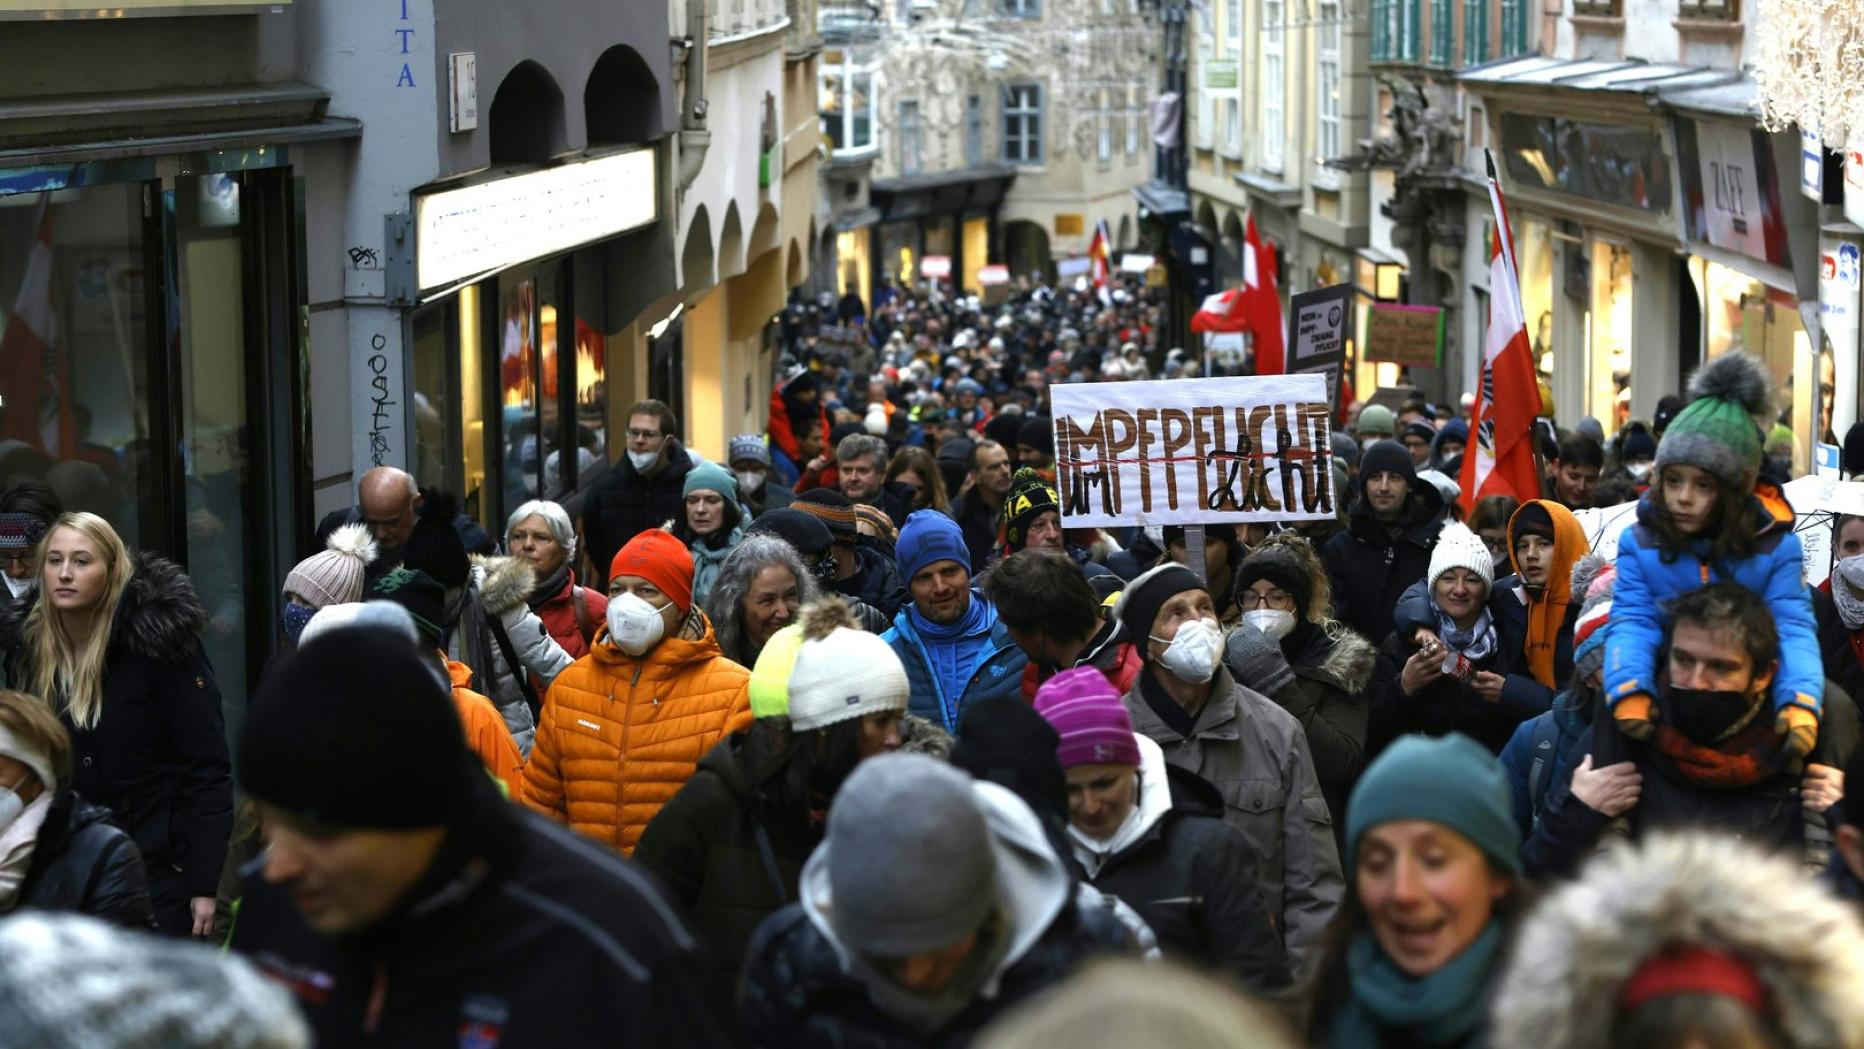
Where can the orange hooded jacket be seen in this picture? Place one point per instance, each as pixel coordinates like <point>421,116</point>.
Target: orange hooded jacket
<point>1547,613</point>
<point>486,734</point>
<point>620,734</point>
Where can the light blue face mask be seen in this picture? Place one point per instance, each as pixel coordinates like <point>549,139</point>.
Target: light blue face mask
<point>297,617</point>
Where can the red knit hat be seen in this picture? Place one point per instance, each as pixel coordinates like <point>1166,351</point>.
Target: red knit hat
<point>660,559</point>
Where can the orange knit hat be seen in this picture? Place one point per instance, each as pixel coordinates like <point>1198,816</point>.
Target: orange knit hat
<point>660,559</point>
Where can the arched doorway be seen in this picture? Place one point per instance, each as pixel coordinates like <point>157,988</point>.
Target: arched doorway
<point>1026,249</point>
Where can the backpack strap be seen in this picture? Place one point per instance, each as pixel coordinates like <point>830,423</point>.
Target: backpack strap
<point>1540,773</point>
<point>584,626</point>
<point>515,668</point>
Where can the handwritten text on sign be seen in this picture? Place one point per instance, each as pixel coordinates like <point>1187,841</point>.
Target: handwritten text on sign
<point>1188,451</point>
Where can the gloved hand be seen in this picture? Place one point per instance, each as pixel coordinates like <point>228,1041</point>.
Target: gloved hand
<point>1635,716</point>
<point>1256,661</point>
<point>1800,727</point>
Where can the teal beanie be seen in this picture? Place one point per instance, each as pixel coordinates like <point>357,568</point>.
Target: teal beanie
<point>711,477</point>
<point>1451,780</point>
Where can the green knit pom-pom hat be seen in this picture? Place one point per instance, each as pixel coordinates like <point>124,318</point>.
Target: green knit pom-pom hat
<point>1716,431</point>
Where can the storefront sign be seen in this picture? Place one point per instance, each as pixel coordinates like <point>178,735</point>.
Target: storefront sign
<point>1407,335</point>
<point>1730,188</point>
<point>1220,74</point>
<point>460,233</point>
<point>1067,225</point>
<point>1840,266</point>
<point>36,9</point>
<point>1193,451</point>
<point>1320,323</point>
<point>935,267</point>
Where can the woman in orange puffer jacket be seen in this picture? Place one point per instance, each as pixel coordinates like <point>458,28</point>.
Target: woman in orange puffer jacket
<point>624,727</point>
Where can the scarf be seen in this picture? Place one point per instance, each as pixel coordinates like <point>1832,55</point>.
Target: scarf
<point>1753,755</point>
<point>16,846</point>
<point>1848,592</point>
<point>1175,717</point>
<point>1475,643</point>
<point>549,586</point>
<point>953,651</point>
<point>1444,1008</point>
<point>707,561</point>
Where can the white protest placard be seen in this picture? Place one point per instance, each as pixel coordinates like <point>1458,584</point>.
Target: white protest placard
<point>1193,451</point>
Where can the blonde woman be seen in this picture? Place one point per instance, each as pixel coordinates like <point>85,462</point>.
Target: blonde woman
<point>114,644</point>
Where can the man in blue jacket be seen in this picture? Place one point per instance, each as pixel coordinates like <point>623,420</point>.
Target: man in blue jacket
<point>954,650</point>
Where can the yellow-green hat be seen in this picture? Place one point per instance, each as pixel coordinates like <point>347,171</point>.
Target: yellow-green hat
<point>770,678</point>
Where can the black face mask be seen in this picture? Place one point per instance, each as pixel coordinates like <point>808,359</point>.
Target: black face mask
<point>1707,716</point>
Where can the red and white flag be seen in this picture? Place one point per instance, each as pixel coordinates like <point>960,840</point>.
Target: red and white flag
<point>33,387</point>
<point>1100,261</point>
<point>1500,460</point>
<point>1262,301</point>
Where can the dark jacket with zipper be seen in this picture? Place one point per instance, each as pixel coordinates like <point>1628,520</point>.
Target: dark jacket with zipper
<point>626,503</point>
<point>1508,611</point>
<point>1370,564</point>
<point>1448,705</point>
<point>83,865</point>
<point>1191,877</point>
<point>1328,695</point>
<point>1843,665</point>
<point>876,582</point>
<point>157,757</point>
<point>521,934</point>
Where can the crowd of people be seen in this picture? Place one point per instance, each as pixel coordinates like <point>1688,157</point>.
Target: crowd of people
<point>840,736</point>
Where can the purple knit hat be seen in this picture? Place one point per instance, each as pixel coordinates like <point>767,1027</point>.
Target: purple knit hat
<point>1090,719</point>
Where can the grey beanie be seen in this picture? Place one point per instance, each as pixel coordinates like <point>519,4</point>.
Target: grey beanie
<point>71,982</point>
<point>910,860</point>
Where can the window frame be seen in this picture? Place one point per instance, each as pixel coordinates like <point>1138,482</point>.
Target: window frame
<point>1026,10</point>
<point>1475,32</point>
<point>1274,85</point>
<point>1032,120</point>
<point>1327,102</point>
<point>909,136</point>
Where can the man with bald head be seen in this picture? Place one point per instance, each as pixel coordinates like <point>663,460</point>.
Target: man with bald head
<point>392,505</point>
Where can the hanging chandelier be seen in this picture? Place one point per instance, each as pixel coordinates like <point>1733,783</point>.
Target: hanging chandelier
<point>1809,67</point>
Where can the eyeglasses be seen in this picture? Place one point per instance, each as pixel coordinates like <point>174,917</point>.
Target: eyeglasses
<point>1273,599</point>
<point>643,435</point>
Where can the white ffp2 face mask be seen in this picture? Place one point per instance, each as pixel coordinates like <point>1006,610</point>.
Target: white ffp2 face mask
<point>749,481</point>
<point>1275,622</point>
<point>634,625</point>
<point>1193,652</point>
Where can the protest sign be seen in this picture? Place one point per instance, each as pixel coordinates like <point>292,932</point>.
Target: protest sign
<point>1193,451</point>
<point>1320,323</point>
<point>1409,335</point>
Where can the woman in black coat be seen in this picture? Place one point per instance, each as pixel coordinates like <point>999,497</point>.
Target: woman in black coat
<point>108,633</point>
<point>58,852</point>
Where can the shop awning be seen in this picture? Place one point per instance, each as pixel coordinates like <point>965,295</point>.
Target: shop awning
<point>1624,76</point>
<point>856,218</point>
<point>961,192</point>
<point>72,129</point>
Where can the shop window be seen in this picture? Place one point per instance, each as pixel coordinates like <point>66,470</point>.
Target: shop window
<point>1608,365</point>
<point>1534,268</point>
<point>517,388</point>
<point>1623,164</point>
<point>1022,124</point>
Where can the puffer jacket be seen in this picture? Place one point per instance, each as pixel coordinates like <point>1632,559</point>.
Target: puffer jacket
<point>999,672</point>
<point>621,734</point>
<point>1256,755</point>
<point>83,864</point>
<point>1369,565</point>
<point>1189,875</point>
<point>1583,943</point>
<point>486,734</point>
<point>801,990</point>
<point>505,584</point>
<point>1646,580</point>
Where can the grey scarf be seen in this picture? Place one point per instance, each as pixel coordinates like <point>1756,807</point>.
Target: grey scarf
<point>1848,591</point>
<point>1475,643</point>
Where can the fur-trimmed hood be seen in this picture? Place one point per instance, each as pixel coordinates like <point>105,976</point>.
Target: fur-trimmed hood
<point>504,582</point>
<point>1347,660</point>
<point>160,616</point>
<point>1585,941</point>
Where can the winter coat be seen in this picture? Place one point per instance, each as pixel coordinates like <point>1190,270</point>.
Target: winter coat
<point>876,582</point>
<point>1508,612</point>
<point>773,494</point>
<point>157,757</point>
<point>1256,755</point>
<point>521,935</point>
<point>486,734</point>
<point>1448,705</point>
<point>1583,943</point>
<point>505,584</point>
<point>803,990</point>
<point>999,672</point>
<point>620,734</point>
<point>1328,696</point>
<point>1646,581</point>
<point>1541,752</point>
<point>558,612</point>
<point>708,560</point>
<point>83,864</point>
<point>1843,664</point>
<point>624,504</point>
<point>1369,566</point>
<point>978,521</point>
<point>1190,876</point>
<point>708,846</point>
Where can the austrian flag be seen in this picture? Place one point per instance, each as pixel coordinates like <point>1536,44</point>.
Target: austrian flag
<point>1501,457</point>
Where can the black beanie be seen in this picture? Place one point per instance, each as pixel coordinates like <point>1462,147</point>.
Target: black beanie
<point>1281,566</point>
<point>419,593</point>
<point>1003,740</point>
<point>1028,498</point>
<point>1139,604</point>
<point>1037,432</point>
<point>354,730</point>
<point>1852,460</point>
<point>1531,519</point>
<point>434,547</point>
<point>1386,456</point>
<point>806,534</point>
<point>1640,446</point>
<point>1003,430</point>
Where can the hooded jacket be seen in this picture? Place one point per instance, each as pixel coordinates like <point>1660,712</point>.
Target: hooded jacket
<point>621,734</point>
<point>1328,695</point>
<point>1188,874</point>
<point>157,757</point>
<point>805,989</point>
<point>1582,944</point>
<point>82,864</point>
<point>1548,617</point>
<point>1774,571</point>
<point>1256,755</point>
<point>520,935</point>
<point>486,734</point>
<point>625,503</point>
<point>999,670</point>
<point>505,585</point>
<point>1369,565</point>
